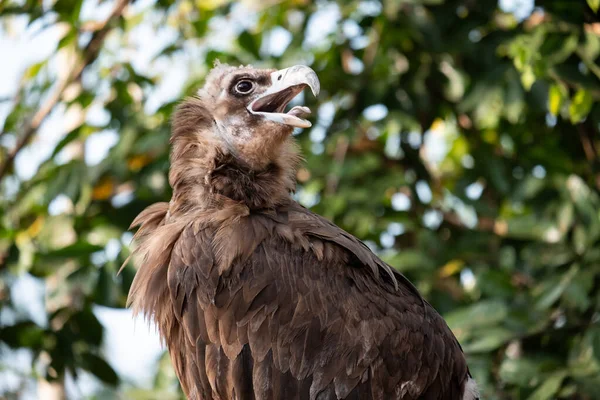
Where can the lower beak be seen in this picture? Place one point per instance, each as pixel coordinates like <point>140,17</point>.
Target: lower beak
<point>285,85</point>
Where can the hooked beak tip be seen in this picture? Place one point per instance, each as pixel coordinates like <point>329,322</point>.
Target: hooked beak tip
<point>313,83</point>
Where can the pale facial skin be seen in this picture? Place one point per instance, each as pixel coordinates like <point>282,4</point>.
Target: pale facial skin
<point>249,108</point>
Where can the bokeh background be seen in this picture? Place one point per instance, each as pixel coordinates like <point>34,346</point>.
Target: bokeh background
<point>458,138</point>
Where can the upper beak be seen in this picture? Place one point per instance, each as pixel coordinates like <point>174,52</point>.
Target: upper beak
<point>296,75</point>
<point>285,85</point>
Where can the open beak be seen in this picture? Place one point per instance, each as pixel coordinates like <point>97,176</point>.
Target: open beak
<point>286,84</point>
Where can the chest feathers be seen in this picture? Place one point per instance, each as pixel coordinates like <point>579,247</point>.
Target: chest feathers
<point>210,243</point>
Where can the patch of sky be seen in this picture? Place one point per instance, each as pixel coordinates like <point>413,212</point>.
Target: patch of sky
<point>396,228</point>
<point>414,139</point>
<point>474,190</point>
<point>321,24</point>
<point>95,10</point>
<point>59,205</point>
<point>392,146</point>
<point>276,41</point>
<point>351,28</point>
<point>317,134</point>
<point>387,240</point>
<point>122,199</point>
<point>307,198</point>
<point>326,113</point>
<point>376,112</point>
<point>317,148</point>
<point>126,238</point>
<point>112,249</point>
<point>98,258</point>
<point>467,161</point>
<point>432,219</point>
<point>98,145</point>
<point>423,192</point>
<point>475,35</point>
<point>359,42</point>
<point>9,187</point>
<point>467,279</point>
<point>355,65</point>
<point>27,295</point>
<point>466,214</point>
<point>435,146</point>
<point>400,202</point>
<point>521,9</point>
<point>368,8</point>
<point>539,172</point>
<point>16,364</point>
<point>24,45</point>
<point>130,342</point>
<point>97,115</point>
<point>51,131</point>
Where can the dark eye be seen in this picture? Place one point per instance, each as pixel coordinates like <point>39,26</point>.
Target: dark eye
<point>244,87</point>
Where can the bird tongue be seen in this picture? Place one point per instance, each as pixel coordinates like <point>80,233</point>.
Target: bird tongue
<point>294,117</point>
<point>299,111</point>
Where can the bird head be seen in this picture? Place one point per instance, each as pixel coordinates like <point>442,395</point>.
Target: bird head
<point>240,116</point>
<point>248,107</point>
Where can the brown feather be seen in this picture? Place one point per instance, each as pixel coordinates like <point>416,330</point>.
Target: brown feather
<point>259,298</point>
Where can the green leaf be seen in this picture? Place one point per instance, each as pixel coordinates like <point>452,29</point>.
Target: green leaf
<point>565,217</point>
<point>527,77</point>
<point>86,325</point>
<point>23,334</point>
<point>551,293</point>
<point>249,43</point>
<point>580,107</point>
<point>69,137</point>
<point>408,260</point>
<point>100,368</point>
<point>106,292</point>
<point>594,4</point>
<point>520,371</point>
<point>78,249</point>
<point>549,388</point>
<point>556,97</point>
<point>484,313</point>
<point>580,239</point>
<point>594,333</point>
<point>552,289</point>
<point>68,10</point>
<point>33,70</point>
<point>69,38</point>
<point>531,227</point>
<point>488,339</point>
<point>495,283</point>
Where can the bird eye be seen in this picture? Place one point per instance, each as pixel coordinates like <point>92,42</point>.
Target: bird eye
<point>244,87</point>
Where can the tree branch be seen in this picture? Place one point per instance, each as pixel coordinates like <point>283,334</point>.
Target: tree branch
<point>90,53</point>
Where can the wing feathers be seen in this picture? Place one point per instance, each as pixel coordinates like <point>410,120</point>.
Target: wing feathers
<point>259,309</point>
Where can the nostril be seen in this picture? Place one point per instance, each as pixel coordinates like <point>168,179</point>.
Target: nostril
<point>279,78</point>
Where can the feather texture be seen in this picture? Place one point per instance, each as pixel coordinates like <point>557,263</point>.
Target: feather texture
<point>271,312</point>
<point>257,297</point>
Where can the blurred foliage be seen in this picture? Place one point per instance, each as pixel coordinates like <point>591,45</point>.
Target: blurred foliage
<point>459,140</point>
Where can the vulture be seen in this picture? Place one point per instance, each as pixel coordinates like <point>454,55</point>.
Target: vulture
<point>255,296</point>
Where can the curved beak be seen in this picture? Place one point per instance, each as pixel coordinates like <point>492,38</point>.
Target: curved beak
<point>285,85</point>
